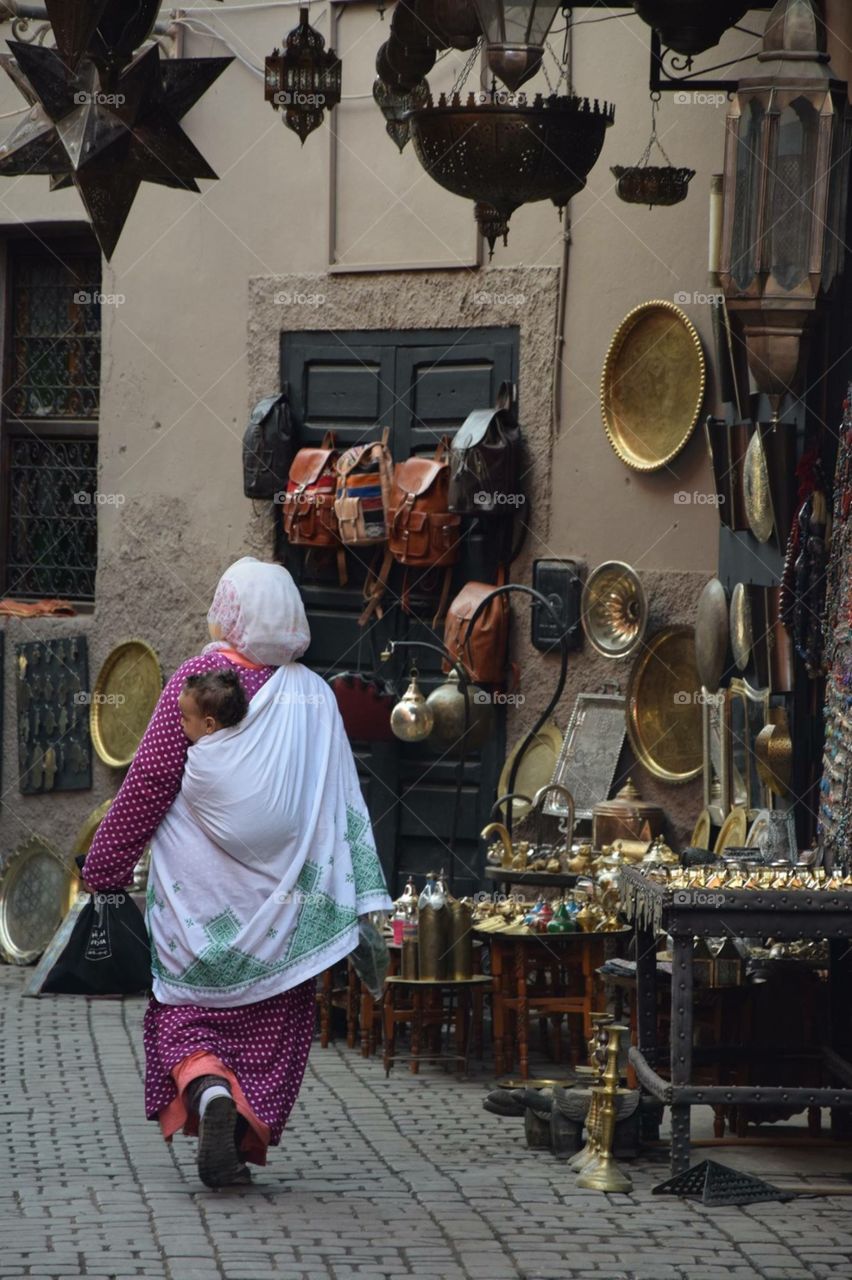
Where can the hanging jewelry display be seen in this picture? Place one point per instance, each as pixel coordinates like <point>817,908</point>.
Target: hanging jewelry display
<point>305,80</point>
<point>54,746</point>
<point>835,797</point>
<point>644,183</point>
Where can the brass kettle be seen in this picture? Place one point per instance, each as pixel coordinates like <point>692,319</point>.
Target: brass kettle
<point>412,718</point>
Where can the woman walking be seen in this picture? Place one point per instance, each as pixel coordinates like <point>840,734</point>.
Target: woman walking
<point>262,860</point>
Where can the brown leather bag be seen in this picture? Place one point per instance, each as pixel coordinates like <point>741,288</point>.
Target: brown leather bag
<point>309,519</point>
<point>482,649</point>
<point>421,529</point>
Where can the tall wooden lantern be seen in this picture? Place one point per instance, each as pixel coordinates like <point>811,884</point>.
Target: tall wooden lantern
<point>786,181</point>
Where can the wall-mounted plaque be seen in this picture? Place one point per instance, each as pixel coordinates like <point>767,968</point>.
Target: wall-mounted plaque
<point>54,745</point>
<point>589,756</point>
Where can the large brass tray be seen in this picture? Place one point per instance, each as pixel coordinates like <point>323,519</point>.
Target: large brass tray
<point>536,768</point>
<point>653,383</point>
<point>126,692</point>
<point>34,892</point>
<point>757,491</point>
<point>664,706</point>
<point>712,635</point>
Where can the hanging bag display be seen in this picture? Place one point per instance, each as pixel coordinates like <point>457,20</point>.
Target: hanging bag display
<point>268,447</point>
<point>422,531</point>
<point>483,647</point>
<point>364,482</point>
<point>485,460</point>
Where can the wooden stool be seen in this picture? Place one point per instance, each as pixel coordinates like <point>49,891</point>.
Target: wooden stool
<point>423,1009</point>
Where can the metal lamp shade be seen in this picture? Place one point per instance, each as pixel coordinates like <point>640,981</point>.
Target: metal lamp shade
<point>691,26</point>
<point>515,35</point>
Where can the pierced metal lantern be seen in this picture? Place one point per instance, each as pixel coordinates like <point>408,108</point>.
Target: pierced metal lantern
<point>515,32</point>
<point>504,155</point>
<point>786,183</point>
<point>649,184</point>
<point>691,26</point>
<point>305,79</point>
<point>395,105</point>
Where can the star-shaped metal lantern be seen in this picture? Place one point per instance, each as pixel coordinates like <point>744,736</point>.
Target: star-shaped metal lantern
<point>106,134</point>
<point>305,79</point>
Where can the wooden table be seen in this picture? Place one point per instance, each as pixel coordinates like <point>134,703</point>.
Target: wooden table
<point>422,1011</point>
<point>739,913</point>
<point>565,983</point>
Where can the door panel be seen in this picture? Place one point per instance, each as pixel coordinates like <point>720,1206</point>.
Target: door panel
<point>421,384</point>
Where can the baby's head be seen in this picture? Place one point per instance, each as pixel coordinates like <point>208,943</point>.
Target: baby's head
<point>211,701</point>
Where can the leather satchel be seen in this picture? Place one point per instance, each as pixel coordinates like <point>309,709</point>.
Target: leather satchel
<point>484,460</point>
<point>268,447</point>
<point>483,647</point>
<point>309,519</point>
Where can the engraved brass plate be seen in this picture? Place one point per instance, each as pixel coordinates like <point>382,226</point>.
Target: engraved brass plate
<point>126,692</point>
<point>711,635</point>
<point>664,706</point>
<point>741,626</point>
<point>733,833</point>
<point>652,387</point>
<point>700,838</point>
<point>756,490</point>
<point>34,891</point>
<point>614,610</point>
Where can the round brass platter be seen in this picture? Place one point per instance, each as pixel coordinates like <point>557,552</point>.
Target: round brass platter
<point>711,635</point>
<point>664,706</point>
<point>756,492</point>
<point>614,610</point>
<point>652,387</point>
<point>126,692</point>
<point>34,892</point>
<point>742,636</point>
<point>86,834</point>
<point>700,838</point>
<point>733,832</point>
<point>536,768</point>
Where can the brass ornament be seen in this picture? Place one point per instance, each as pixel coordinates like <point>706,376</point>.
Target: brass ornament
<point>603,1174</point>
<point>652,386</point>
<point>35,889</point>
<point>627,817</point>
<point>125,695</point>
<point>733,832</point>
<point>742,636</point>
<point>756,490</point>
<point>411,719</point>
<point>773,749</point>
<point>305,79</point>
<point>700,838</point>
<point>447,704</point>
<point>664,717</point>
<point>614,610</point>
<point>712,629</point>
<point>536,769</point>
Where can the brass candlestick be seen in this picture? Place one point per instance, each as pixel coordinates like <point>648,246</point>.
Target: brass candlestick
<point>597,1043</point>
<point>604,1174</point>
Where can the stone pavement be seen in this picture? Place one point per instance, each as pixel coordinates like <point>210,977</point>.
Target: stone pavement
<point>375,1179</point>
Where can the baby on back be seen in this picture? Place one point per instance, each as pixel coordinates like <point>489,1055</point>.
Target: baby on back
<point>211,701</point>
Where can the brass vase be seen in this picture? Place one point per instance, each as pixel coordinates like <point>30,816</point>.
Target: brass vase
<point>461,939</point>
<point>433,937</point>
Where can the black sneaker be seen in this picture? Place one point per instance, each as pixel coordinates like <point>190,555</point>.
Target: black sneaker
<point>218,1162</point>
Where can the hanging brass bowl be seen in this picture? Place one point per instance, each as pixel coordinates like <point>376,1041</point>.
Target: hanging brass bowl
<point>712,630</point>
<point>503,155</point>
<point>664,716</point>
<point>742,636</point>
<point>653,185</point>
<point>653,383</point>
<point>756,491</point>
<point>126,692</point>
<point>614,610</point>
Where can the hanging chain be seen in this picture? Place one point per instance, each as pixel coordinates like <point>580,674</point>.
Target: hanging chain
<point>654,139</point>
<point>467,68</point>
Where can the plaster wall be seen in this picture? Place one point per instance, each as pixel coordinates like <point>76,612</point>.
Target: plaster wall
<point>194,341</point>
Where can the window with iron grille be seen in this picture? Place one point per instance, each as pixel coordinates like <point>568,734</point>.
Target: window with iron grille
<point>50,406</point>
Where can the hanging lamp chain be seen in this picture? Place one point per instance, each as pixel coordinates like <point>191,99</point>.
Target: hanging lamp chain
<point>654,140</point>
<point>467,67</point>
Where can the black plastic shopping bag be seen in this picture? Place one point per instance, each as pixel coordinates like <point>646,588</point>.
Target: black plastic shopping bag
<point>108,952</point>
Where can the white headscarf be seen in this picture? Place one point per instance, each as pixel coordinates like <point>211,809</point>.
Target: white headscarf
<point>259,612</point>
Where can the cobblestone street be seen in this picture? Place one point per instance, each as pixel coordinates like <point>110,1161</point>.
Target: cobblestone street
<point>375,1178</point>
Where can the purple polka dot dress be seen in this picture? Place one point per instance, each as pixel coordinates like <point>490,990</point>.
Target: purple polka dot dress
<point>265,1045</point>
